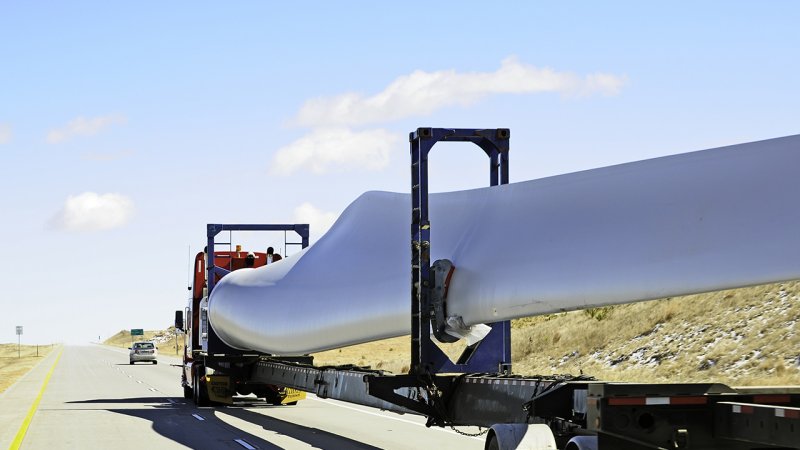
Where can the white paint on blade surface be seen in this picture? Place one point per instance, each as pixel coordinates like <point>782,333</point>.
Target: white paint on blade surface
<point>664,227</point>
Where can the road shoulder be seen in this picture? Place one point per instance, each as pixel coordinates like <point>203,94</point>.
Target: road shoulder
<point>18,398</point>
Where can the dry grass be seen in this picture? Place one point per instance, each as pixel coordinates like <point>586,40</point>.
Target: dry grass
<point>391,355</point>
<point>741,336</point>
<point>12,367</point>
<point>165,340</point>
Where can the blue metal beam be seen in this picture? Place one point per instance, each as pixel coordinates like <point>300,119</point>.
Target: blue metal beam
<point>493,353</point>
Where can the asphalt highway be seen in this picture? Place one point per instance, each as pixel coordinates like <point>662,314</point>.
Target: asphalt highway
<point>95,399</point>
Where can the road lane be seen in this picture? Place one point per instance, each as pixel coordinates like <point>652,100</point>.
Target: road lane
<point>95,399</point>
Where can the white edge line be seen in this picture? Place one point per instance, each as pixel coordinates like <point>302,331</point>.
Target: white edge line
<point>386,416</point>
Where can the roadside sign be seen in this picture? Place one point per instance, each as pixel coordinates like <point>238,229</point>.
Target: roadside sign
<point>19,333</point>
<point>137,332</point>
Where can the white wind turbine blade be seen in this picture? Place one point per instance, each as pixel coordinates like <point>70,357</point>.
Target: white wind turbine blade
<point>682,224</point>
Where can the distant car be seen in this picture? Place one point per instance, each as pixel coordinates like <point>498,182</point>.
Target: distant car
<point>143,351</point>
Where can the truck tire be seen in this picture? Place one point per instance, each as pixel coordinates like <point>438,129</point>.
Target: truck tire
<point>272,397</point>
<point>187,392</point>
<point>155,362</point>
<point>200,396</point>
<point>492,443</point>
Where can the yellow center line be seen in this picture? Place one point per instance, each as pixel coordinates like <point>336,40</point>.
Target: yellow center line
<point>25,423</point>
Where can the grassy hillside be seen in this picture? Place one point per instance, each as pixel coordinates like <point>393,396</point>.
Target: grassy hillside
<point>165,340</point>
<point>13,367</point>
<point>742,336</point>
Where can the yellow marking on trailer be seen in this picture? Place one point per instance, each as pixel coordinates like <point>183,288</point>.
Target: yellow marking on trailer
<point>292,395</point>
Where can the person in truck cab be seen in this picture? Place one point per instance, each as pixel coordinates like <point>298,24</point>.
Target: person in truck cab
<point>272,256</point>
<point>250,259</point>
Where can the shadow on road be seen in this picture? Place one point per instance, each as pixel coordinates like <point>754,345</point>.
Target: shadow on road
<point>175,421</point>
<point>312,436</point>
<point>144,400</point>
<point>178,425</point>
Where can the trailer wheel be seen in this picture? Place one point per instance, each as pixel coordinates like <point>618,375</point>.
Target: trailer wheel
<point>506,436</point>
<point>271,397</point>
<point>491,442</point>
<point>200,395</point>
<point>582,443</point>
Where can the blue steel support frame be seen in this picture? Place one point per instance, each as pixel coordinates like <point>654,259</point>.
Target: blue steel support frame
<point>493,353</point>
<point>213,229</point>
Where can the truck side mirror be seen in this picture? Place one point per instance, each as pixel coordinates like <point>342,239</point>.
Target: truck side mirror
<point>179,320</point>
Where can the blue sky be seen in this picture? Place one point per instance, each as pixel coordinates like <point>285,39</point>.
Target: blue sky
<point>125,128</point>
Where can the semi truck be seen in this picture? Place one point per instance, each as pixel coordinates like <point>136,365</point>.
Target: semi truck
<point>479,388</point>
<point>213,372</point>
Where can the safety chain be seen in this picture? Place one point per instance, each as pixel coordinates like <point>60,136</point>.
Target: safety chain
<point>464,433</point>
<point>435,399</point>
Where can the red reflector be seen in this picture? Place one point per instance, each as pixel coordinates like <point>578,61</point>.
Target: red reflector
<point>772,399</point>
<point>627,401</point>
<point>791,413</point>
<point>688,400</point>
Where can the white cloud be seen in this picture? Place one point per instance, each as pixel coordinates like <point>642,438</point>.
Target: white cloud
<point>319,221</point>
<point>335,148</point>
<point>5,133</point>
<point>93,212</point>
<point>82,126</point>
<point>422,93</point>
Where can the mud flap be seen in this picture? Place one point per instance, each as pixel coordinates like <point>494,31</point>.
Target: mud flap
<point>291,396</point>
<point>219,389</point>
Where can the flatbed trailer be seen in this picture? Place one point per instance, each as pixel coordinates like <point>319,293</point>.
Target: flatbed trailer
<point>532,412</point>
<point>575,413</point>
